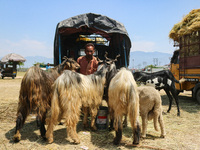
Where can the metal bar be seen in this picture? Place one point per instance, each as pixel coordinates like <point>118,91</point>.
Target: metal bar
<point>124,46</point>
<point>59,41</point>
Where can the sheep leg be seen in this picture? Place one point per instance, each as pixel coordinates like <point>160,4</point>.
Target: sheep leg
<point>174,94</point>
<point>111,119</point>
<point>40,123</point>
<point>21,117</point>
<point>73,134</point>
<point>118,133</point>
<point>49,133</point>
<point>170,99</point>
<point>125,121</point>
<point>144,125</point>
<point>85,118</point>
<point>93,117</point>
<point>155,113</point>
<point>162,128</point>
<point>136,132</point>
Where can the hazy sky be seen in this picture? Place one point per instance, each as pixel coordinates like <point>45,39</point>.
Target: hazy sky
<point>28,27</point>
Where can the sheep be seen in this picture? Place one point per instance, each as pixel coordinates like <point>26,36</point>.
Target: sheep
<point>123,99</point>
<point>150,108</point>
<point>161,80</point>
<point>35,94</point>
<point>71,91</point>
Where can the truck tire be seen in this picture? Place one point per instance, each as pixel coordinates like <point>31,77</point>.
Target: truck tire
<point>198,95</point>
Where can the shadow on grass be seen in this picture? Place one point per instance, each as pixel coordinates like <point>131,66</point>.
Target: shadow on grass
<point>186,103</point>
<point>27,132</point>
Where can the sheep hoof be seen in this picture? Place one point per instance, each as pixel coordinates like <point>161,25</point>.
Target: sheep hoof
<point>94,128</point>
<point>50,140</point>
<point>178,114</point>
<point>86,126</point>
<point>116,141</point>
<point>125,125</point>
<point>76,141</point>
<point>135,142</point>
<point>164,113</point>
<point>110,128</point>
<point>60,123</point>
<point>44,138</point>
<point>162,136</point>
<point>17,137</point>
<point>143,136</point>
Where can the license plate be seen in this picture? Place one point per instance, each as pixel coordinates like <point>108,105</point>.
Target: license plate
<point>192,79</point>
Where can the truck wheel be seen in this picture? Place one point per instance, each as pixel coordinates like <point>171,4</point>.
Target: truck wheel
<point>13,77</point>
<point>2,77</point>
<point>198,96</point>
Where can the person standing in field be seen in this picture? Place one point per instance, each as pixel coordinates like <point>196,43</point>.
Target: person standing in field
<point>88,63</point>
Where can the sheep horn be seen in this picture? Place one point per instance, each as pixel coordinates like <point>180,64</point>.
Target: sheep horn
<point>65,57</point>
<point>99,60</point>
<point>106,54</point>
<point>117,57</point>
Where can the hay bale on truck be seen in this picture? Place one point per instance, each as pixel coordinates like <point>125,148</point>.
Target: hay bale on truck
<point>185,62</point>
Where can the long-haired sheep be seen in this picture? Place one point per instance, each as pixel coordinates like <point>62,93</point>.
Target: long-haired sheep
<point>150,108</point>
<point>123,99</point>
<point>71,91</point>
<point>35,94</point>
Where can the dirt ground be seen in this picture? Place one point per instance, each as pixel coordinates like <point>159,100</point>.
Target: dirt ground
<point>183,132</point>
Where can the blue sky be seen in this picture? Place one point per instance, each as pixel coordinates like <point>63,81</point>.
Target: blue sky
<point>28,27</point>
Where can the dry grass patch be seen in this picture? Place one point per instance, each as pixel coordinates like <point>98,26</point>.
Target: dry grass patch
<point>182,132</point>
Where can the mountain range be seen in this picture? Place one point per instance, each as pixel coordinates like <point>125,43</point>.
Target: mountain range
<point>138,59</point>
<point>31,60</point>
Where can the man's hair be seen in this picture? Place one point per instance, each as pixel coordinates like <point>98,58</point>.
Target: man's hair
<point>89,44</point>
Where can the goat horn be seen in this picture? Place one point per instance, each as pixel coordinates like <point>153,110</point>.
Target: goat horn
<point>99,60</point>
<point>106,54</point>
<point>65,57</point>
<point>117,57</point>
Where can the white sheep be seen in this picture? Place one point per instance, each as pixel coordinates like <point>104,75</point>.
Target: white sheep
<point>123,99</point>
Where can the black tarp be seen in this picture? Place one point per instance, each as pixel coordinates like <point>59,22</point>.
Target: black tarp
<point>90,23</point>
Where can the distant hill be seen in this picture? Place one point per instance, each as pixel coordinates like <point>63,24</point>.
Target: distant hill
<point>139,59</point>
<point>30,60</point>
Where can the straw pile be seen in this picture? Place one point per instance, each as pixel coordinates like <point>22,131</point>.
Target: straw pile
<point>189,24</point>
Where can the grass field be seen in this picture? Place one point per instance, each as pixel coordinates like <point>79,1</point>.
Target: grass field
<point>183,133</point>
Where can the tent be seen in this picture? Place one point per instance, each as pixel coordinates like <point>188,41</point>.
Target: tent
<point>67,32</point>
<point>12,57</point>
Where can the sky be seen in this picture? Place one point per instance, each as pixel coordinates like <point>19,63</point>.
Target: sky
<point>28,27</point>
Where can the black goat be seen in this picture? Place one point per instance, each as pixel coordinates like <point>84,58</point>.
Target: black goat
<point>161,80</point>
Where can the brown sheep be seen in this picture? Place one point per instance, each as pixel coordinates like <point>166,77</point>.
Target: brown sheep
<point>150,108</point>
<point>35,94</point>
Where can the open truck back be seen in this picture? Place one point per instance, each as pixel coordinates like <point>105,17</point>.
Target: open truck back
<point>108,35</point>
<point>185,62</point>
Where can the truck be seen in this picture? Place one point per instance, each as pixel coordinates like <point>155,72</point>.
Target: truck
<point>107,34</point>
<point>185,62</point>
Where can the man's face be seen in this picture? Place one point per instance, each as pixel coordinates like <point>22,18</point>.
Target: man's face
<point>89,51</point>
